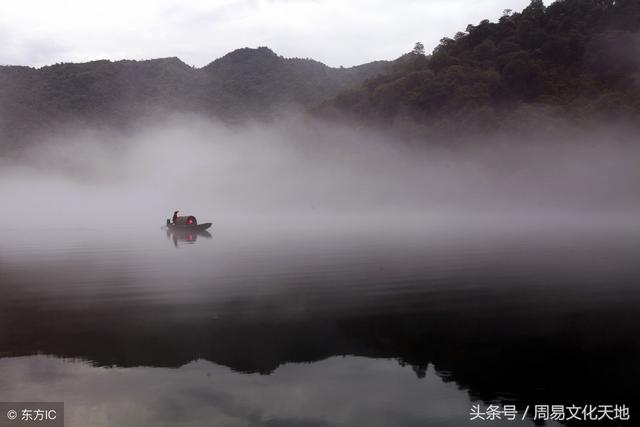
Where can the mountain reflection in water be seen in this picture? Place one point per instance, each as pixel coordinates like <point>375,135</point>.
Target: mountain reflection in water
<point>431,319</point>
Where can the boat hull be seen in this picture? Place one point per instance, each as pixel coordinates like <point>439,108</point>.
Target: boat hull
<point>185,227</point>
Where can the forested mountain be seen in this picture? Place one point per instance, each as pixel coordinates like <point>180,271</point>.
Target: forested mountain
<point>246,83</point>
<point>578,60</point>
<point>251,81</point>
<point>575,59</point>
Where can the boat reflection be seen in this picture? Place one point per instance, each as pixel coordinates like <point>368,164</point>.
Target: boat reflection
<point>186,236</point>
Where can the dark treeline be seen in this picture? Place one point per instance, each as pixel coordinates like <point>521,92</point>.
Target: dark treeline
<point>575,59</point>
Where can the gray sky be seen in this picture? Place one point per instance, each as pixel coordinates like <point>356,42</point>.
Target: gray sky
<point>336,32</point>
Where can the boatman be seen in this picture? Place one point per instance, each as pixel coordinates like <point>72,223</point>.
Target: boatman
<point>175,216</point>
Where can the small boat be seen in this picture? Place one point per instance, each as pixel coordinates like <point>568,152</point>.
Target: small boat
<point>187,223</point>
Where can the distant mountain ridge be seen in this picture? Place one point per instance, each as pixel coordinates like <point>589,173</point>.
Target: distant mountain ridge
<point>573,60</point>
<point>246,83</point>
<point>259,79</point>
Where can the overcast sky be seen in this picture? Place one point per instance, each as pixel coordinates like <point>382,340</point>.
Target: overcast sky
<point>336,32</point>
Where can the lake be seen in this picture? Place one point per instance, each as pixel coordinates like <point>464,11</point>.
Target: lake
<point>321,323</point>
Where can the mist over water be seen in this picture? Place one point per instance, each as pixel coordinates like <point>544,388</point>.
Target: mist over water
<point>506,266</point>
<point>281,172</point>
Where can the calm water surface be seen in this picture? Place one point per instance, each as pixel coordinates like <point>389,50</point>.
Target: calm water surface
<point>310,325</point>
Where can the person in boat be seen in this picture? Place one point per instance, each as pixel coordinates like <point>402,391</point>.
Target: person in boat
<point>175,216</point>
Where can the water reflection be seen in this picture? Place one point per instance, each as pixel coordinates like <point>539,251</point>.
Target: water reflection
<point>532,318</point>
<point>338,391</point>
<point>186,236</point>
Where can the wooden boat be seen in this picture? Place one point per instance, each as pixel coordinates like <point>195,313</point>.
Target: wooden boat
<point>196,227</point>
<point>187,223</point>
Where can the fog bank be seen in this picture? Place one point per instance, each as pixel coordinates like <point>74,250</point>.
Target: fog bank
<point>84,177</point>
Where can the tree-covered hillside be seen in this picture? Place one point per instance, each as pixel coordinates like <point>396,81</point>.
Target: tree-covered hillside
<point>579,59</point>
<point>253,81</point>
<point>246,83</point>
